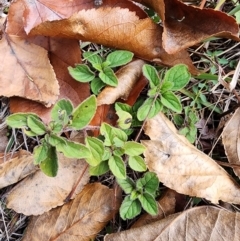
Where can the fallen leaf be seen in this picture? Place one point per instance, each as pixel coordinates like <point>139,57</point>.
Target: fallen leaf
<point>182,167</point>
<point>231,141</point>
<point>182,27</point>
<point>116,27</point>
<point>166,206</point>
<point>63,52</point>
<point>200,223</point>
<point>22,74</point>
<point>79,220</point>
<point>127,78</point>
<point>40,193</point>
<point>18,167</point>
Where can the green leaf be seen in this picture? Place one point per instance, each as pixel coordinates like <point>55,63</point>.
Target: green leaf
<point>118,152</point>
<point>137,163</point>
<point>151,74</point>
<point>129,208</point>
<point>117,167</point>
<point>55,127</point>
<point>149,182</point>
<point>119,58</point>
<point>124,107</point>
<point>107,153</point>
<point>97,85</point>
<point>36,125</point>
<point>127,185</point>
<point>171,101</point>
<point>167,85</point>
<point>61,111</point>
<point>133,148</point>
<point>94,59</point>
<point>40,153</point>
<point>100,169</point>
<point>81,73</point>
<point>110,133</point>
<point>178,75</point>
<point>148,203</point>
<point>49,166</point>
<point>108,77</point>
<point>18,120</point>
<point>69,148</point>
<point>149,109</point>
<point>96,148</point>
<point>84,113</point>
<point>124,119</point>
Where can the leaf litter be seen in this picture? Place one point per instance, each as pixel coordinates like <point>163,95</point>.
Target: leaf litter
<point>183,167</point>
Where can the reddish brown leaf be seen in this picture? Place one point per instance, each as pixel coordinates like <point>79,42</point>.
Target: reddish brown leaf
<point>186,25</point>
<point>79,220</point>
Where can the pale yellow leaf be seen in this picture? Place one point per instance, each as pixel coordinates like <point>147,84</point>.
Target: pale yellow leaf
<point>16,168</point>
<point>182,167</point>
<point>39,193</point>
<point>231,141</point>
<point>204,223</point>
<point>127,78</point>
<point>79,220</point>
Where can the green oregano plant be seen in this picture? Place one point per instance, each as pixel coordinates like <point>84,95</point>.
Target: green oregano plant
<point>140,194</point>
<point>64,117</point>
<point>100,74</point>
<point>161,93</point>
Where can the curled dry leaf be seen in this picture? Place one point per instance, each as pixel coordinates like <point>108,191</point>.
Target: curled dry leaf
<point>231,141</point>
<point>79,220</point>
<point>40,193</point>
<point>127,78</point>
<point>182,27</point>
<point>14,170</point>
<point>200,223</point>
<point>166,206</point>
<point>182,167</point>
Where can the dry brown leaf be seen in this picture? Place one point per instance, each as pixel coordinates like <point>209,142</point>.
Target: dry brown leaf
<point>127,78</point>
<point>231,140</point>
<point>63,53</point>
<point>115,27</point>
<point>22,74</point>
<point>40,193</point>
<point>182,167</point>
<point>79,220</point>
<point>185,25</point>
<point>16,168</point>
<point>200,223</point>
<point>166,206</point>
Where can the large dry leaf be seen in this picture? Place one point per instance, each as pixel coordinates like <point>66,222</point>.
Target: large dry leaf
<point>79,220</point>
<point>202,223</point>
<point>186,25</point>
<point>16,168</point>
<point>127,78</point>
<point>231,140</point>
<point>182,167</point>
<point>116,27</point>
<point>63,53</point>
<point>40,193</point>
<point>23,74</point>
